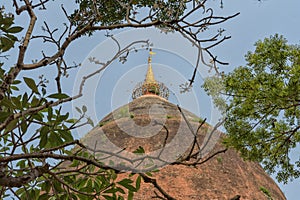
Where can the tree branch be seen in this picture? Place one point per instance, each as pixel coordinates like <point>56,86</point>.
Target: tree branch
<point>9,181</point>
<point>10,77</point>
<point>153,181</point>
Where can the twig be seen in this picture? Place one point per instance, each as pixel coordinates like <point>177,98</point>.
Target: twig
<point>153,181</point>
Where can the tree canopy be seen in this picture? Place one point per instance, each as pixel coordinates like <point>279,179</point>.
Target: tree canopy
<point>261,103</point>
<point>39,157</point>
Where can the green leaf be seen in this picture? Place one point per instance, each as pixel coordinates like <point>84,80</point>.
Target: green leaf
<point>4,115</point>
<point>54,140</point>
<point>111,190</point>
<point>138,182</point>
<point>17,102</point>
<point>58,187</point>
<point>38,116</point>
<point>72,121</point>
<point>66,135</point>
<point>75,163</point>
<point>11,125</point>
<point>44,136</point>
<point>148,174</point>
<point>24,126</point>
<point>121,190</point>
<point>84,109</point>
<point>7,103</point>
<point>78,109</point>
<point>44,196</point>
<point>127,184</point>
<point>25,99</point>
<point>50,114</point>
<point>46,186</point>
<point>15,29</point>
<point>21,164</point>
<point>139,150</point>
<point>7,22</point>
<point>12,87</point>
<point>58,96</point>
<point>90,121</point>
<point>61,118</point>
<point>16,82</point>
<point>11,37</point>
<point>130,195</point>
<point>6,44</point>
<point>108,197</point>
<point>44,91</point>
<point>35,101</point>
<point>31,84</point>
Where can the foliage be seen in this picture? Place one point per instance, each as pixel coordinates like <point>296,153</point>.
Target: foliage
<point>39,157</point>
<point>266,192</point>
<point>263,106</point>
<point>107,13</point>
<point>7,31</point>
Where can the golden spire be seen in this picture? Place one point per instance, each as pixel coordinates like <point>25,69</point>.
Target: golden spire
<point>150,76</point>
<point>150,85</point>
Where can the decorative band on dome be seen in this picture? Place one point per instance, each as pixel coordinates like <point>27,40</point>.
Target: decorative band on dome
<point>156,88</point>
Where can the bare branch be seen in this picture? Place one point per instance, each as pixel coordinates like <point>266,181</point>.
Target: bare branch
<point>153,181</point>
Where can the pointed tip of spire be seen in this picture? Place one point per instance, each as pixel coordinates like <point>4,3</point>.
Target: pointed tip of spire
<point>151,53</point>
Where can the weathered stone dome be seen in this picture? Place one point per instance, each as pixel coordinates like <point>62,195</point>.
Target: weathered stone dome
<point>157,126</point>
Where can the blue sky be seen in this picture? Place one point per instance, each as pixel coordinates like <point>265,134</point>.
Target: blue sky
<point>256,21</point>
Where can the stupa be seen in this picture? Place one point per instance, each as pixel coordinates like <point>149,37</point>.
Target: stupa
<point>152,127</point>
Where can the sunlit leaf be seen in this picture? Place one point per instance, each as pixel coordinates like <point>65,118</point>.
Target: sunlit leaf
<point>58,96</point>
<point>31,84</point>
<point>14,29</point>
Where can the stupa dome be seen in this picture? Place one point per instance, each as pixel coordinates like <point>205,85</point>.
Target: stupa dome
<point>164,132</point>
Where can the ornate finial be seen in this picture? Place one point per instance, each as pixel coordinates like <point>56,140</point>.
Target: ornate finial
<point>150,85</point>
<point>151,53</point>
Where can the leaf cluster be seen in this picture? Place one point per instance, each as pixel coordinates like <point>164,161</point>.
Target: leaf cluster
<point>107,13</point>
<point>7,31</point>
<point>263,106</point>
